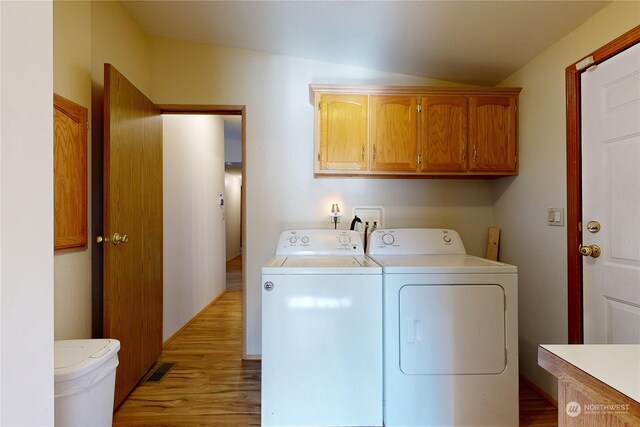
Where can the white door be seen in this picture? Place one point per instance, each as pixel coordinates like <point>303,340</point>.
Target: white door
<point>611,196</point>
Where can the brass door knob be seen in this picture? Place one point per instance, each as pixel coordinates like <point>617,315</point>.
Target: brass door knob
<point>593,251</point>
<point>117,238</point>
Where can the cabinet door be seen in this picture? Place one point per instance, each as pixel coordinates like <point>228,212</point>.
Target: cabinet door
<point>492,133</point>
<point>393,133</point>
<point>343,132</point>
<point>444,134</point>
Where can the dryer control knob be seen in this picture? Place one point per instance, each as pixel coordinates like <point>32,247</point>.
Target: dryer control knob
<point>345,240</point>
<point>293,239</point>
<point>388,239</point>
<point>447,239</point>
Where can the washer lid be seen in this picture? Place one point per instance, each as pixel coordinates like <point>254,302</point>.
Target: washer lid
<point>321,264</point>
<point>445,264</point>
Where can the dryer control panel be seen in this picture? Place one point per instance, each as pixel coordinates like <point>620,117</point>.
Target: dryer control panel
<point>319,242</point>
<point>416,241</point>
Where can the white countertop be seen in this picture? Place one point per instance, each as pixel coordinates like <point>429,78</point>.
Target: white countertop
<point>617,365</point>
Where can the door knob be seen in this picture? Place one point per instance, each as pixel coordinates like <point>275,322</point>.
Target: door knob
<point>117,238</point>
<point>593,251</point>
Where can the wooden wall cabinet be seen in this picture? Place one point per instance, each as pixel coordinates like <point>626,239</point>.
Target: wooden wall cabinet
<point>443,136</point>
<point>69,174</point>
<point>393,133</point>
<point>342,132</point>
<point>492,133</point>
<point>400,131</point>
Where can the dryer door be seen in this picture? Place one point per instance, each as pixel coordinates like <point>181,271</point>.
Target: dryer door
<point>452,329</point>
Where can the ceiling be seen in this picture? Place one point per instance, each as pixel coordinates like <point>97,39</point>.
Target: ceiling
<point>473,42</point>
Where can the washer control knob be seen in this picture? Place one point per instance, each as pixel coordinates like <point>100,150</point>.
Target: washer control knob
<point>345,240</point>
<point>447,239</point>
<point>293,239</point>
<point>305,239</point>
<point>388,239</point>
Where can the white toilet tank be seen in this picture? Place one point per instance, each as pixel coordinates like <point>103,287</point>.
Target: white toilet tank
<point>85,375</point>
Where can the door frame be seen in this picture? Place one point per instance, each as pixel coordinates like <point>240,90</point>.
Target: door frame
<point>227,110</point>
<point>574,175</point>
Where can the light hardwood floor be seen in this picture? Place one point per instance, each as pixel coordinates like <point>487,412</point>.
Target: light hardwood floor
<point>211,386</point>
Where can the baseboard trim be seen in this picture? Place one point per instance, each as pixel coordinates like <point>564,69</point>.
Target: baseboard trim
<point>176,333</point>
<point>546,396</point>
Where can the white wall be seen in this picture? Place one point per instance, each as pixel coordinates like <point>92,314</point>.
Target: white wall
<point>232,220</point>
<point>194,244</point>
<point>26,214</point>
<point>281,191</point>
<point>538,250</point>
<point>72,80</point>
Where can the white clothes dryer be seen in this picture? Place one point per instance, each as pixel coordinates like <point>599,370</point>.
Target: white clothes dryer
<point>321,332</point>
<point>450,332</point>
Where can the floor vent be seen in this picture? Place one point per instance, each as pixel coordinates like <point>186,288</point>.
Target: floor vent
<point>158,372</point>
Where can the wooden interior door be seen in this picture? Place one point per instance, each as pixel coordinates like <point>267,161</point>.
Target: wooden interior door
<point>132,279</point>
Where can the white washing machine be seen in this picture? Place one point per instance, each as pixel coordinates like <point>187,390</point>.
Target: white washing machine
<point>450,332</point>
<point>321,332</point>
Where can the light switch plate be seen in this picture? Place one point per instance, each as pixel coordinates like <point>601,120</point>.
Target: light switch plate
<point>555,216</point>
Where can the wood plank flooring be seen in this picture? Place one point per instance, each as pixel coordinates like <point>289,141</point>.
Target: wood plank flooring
<point>234,274</point>
<point>212,386</point>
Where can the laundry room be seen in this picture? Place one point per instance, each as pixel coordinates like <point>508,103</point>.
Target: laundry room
<point>284,187</point>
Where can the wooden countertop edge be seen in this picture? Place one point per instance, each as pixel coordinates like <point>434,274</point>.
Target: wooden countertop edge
<point>588,385</point>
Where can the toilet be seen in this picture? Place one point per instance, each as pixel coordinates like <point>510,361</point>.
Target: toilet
<point>84,378</point>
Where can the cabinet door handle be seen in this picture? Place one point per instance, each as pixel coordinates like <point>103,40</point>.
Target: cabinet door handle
<point>475,153</point>
<point>374,152</point>
<point>464,153</point>
<point>363,153</point>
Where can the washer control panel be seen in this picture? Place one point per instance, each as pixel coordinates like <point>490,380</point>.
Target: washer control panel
<point>415,241</point>
<point>319,242</point>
